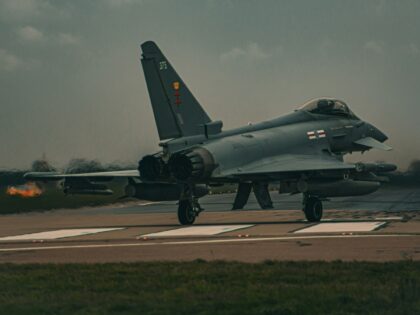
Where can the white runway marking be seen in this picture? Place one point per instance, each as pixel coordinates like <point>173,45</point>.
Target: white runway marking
<point>52,235</point>
<point>389,218</point>
<point>148,203</point>
<point>199,230</point>
<point>342,227</point>
<point>216,241</point>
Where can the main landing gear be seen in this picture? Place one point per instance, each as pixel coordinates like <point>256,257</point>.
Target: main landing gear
<point>312,206</point>
<point>188,211</point>
<point>188,206</point>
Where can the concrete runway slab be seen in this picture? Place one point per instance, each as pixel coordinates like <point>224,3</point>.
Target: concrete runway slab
<point>209,230</point>
<point>56,234</point>
<point>265,234</point>
<point>340,227</point>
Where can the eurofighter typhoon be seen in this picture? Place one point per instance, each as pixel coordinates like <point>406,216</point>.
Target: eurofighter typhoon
<point>301,151</point>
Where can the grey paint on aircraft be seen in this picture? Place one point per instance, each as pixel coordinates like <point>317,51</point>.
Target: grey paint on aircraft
<point>302,151</point>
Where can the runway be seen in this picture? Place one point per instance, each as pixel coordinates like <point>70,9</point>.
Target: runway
<point>383,226</point>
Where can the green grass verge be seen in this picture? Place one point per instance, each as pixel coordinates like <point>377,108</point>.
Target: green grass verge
<point>211,288</point>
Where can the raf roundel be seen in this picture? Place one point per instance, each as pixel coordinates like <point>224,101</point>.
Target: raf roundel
<point>176,86</point>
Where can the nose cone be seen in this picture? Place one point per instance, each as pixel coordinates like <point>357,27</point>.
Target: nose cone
<point>376,134</point>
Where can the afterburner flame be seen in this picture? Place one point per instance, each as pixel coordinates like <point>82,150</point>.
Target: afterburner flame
<point>27,190</point>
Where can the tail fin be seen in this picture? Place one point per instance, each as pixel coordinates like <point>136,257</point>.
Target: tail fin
<point>177,112</point>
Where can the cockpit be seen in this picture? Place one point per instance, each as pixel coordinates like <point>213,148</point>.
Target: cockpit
<point>328,106</point>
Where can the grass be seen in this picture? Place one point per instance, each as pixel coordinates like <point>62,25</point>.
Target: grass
<point>212,288</point>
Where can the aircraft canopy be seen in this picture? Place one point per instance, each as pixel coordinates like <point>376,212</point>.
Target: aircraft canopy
<point>327,106</point>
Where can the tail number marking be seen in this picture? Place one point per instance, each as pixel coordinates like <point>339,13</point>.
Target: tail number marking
<point>163,65</point>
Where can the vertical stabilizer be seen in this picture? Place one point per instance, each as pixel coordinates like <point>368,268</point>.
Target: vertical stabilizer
<point>177,112</point>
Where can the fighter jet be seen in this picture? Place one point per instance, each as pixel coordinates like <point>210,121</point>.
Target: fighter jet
<point>301,151</point>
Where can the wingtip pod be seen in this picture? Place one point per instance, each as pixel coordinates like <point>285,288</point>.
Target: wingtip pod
<point>42,175</point>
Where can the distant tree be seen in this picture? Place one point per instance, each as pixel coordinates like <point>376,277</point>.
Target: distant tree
<point>83,166</point>
<point>42,165</point>
<point>414,167</point>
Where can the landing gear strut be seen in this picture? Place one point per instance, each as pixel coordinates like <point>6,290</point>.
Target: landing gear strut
<point>188,207</point>
<point>312,206</point>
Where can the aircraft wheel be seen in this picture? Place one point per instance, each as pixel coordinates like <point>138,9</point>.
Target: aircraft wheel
<point>186,213</point>
<point>313,209</point>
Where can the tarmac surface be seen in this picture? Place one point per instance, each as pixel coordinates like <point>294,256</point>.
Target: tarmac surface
<point>383,226</point>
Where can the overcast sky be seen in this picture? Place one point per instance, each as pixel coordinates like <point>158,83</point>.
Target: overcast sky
<point>71,84</point>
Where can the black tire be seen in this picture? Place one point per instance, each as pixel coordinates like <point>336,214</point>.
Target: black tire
<point>313,209</point>
<point>186,213</point>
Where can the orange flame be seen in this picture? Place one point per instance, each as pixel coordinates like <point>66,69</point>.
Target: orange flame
<point>27,190</point>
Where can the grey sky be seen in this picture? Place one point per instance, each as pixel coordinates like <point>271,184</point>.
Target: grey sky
<point>71,83</point>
